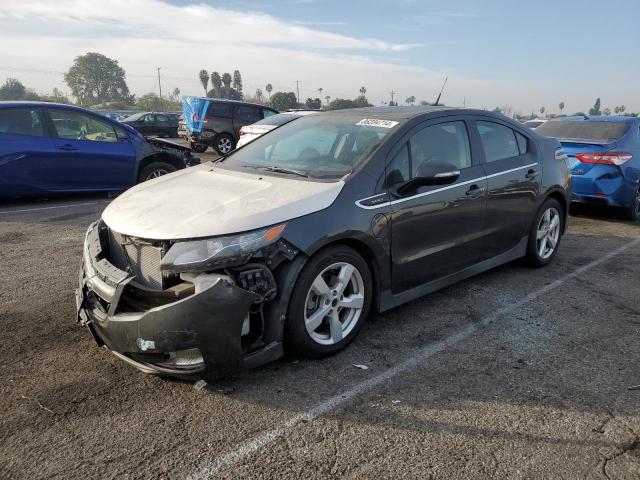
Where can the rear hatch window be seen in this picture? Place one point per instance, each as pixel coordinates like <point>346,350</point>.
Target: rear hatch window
<point>584,131</point>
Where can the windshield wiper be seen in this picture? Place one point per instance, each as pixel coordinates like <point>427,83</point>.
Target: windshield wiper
<point>290,171</point>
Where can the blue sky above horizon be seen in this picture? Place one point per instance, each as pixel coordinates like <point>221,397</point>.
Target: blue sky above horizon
<point>495,52</point>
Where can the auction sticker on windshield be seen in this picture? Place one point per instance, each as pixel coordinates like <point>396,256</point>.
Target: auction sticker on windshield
<point>375,122</point>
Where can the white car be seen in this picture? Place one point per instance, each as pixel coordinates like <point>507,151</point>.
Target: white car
<point>535,123</point>
<point>253,131</point>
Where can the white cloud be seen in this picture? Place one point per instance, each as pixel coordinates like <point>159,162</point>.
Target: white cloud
<point>40,38</point>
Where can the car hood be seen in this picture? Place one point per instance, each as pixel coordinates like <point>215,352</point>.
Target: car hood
<point>206,201</point>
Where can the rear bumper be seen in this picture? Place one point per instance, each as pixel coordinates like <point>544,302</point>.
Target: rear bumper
<point>193,334</point>
<point>604,187</point>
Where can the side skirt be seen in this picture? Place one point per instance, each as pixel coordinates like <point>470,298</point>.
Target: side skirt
<point>388,300</point>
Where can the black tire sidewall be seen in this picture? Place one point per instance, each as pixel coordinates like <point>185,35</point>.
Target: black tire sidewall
<point>223,136</point>
<point>144,173</point>
<point>296,337</point>
<point>198,147</point>
<point>632,211</point>
<point>533,257</point>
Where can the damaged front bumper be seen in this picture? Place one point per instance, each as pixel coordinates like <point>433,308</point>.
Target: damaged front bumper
<point>199,332</point>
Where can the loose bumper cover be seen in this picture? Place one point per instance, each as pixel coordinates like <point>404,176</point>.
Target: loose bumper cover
<point>209,320</point>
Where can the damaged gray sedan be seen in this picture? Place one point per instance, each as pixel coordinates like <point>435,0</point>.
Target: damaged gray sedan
<point>290,241</point>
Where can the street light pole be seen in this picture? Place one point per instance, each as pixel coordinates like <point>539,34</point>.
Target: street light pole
<point>160,88</point>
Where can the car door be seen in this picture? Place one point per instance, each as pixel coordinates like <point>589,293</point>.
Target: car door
<point>510,163</point>
<point>245,115</point>
<point>26,153</point>
<point>91,153</point>
<point>436,230</point>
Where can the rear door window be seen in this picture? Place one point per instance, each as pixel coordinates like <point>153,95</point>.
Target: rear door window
<point>21,121</point>
<point>584,131</point>
<point>499,142</point>
<point>217,109</point>
<point>73,125</point>
<point>248,115</point>
<point>162,119</point>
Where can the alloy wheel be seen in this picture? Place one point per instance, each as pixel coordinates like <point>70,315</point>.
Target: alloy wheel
<point>548,233</point>
<point>334,303</point>
<point>156,173</point>
<point>224,145</point>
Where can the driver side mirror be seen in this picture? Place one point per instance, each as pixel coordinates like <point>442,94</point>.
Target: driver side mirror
<point>412,186</point>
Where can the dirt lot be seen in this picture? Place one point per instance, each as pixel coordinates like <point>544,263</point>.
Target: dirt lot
<point>516,373</point>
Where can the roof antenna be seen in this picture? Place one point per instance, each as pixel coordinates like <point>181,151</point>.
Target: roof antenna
<point>441,90</point>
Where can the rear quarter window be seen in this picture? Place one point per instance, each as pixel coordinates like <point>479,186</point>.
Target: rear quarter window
<point>499,142</point>
<point>584,130</point>
<point>21,121</point>
<point>217,109</point>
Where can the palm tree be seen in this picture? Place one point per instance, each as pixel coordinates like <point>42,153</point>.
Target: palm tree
<point>363,90</point>
<point>542,110</point>
<point>216,84</point>
<point>269,89</point>
<point>259,95</point>
<point>204,80</point>
<point>561,106</point>
<point>327,98</point>
<point>320,92</point>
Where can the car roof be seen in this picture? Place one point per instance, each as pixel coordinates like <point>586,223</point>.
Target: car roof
<point>405,113</point>
<point>29,103</point>
<point>601,118</point>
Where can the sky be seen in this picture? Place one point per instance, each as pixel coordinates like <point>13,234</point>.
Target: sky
<point>494,52</point>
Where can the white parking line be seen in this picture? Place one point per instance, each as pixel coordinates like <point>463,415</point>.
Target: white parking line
<point>52,207</point>
<point>253,445</point>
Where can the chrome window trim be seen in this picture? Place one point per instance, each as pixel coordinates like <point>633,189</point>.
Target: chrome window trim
<point>437,190</point>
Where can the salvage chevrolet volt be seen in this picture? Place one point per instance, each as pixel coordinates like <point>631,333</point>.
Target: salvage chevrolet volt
<point>291,242</point>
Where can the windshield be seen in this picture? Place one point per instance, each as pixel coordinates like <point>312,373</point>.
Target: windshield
<point>317,146</point>
<point>584,131</point>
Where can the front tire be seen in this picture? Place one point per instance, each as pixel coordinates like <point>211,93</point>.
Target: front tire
<point>224,143</point>
<point>198,147</point>
<point>545,235</point>
<point>329,304</point>
<point>155,170</point>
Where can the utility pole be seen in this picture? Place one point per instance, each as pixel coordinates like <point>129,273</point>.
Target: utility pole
<point>392,93</point>
<point>298,92</point>
<point>160,88</point>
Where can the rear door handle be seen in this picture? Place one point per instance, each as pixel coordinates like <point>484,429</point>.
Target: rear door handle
<point>531,174</point>
<point>67,148</point>
<point>475,191</point>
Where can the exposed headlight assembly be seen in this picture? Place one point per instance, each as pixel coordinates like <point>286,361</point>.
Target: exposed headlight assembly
<point>212,253</point>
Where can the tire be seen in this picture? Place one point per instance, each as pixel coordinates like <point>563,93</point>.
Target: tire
<point>633,212</point>
<point>224,144</point>
<point>198,147</point>
<point>545,228</point>
<point>324,309</point>
<point>155,170</point>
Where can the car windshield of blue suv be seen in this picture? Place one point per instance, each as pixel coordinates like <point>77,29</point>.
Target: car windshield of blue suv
<point>317,146</point>
<point>583,131</point>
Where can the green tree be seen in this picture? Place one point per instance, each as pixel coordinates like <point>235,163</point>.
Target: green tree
<point>497,110</point>
<point>216,85</point>
<point>313,103</point>
<point>363,90</point>
<point>542,110</point>
<point>259,95</point>
<point>561,107</point>
<point>94,78</point>
<point>424,103</point>
<point>327,98</point>
<point>226,80</point>
<point>606,111</point>
<point>320,90</point>
<point>237,83</point>
<point>410,100</point>
<point>204,79</point>
<point>282,101</point>
<point>269,89</point>
<point>151,102</point>
<point>361,102</point>
<point>12,89</point>
<point>595,110</point>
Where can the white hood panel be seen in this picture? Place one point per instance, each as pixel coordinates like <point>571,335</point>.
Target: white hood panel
<point>207,201</point>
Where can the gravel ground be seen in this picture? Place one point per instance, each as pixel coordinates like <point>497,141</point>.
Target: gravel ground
<point>516,373</point>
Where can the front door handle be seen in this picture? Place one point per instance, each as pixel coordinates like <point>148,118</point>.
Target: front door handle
<point>67,148</point>
<point>531,174</point>
<point>475,191</point>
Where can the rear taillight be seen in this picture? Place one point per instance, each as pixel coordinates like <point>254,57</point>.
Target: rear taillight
<point>196,118</point>
<point>604,158</point>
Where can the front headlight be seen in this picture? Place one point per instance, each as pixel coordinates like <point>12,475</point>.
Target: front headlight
<point>212,253</point>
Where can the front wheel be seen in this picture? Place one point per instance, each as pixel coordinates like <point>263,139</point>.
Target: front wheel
<point>155,170</point>
<point>545,235</point>
<point>224,144</point>
<point>198,147</point>
<point>329,303</point>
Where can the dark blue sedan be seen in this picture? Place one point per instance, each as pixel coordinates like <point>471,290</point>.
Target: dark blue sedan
<point>53,148</point>
<point>604,157</point>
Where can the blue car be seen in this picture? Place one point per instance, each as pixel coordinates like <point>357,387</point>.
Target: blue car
<point>54,148</point>
<point>604,157</point>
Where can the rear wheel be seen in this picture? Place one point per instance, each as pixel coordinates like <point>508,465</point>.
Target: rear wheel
<point>155,170</point>
<point>329,303</point>
<point>198,147</point>
<point>545,235</point>
<point>224,143</point>
<point>633,212</point>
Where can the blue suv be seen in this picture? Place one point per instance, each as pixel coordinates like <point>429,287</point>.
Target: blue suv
<point>604,157</point>
<point>53,148</point>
